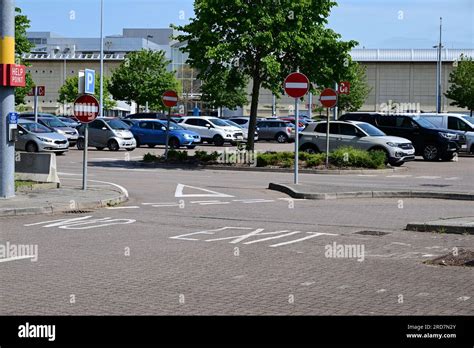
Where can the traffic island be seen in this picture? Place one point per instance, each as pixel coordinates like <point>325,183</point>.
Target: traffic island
<point>59,200</point>
<point>462,225</point>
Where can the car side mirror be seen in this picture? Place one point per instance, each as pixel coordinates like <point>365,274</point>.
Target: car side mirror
<point>163,128</point>
<point>21,132</point>
<point>208,125</point>
<point>104,128</point>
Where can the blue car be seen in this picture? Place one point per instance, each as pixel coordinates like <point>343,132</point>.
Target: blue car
<point>153,132</point>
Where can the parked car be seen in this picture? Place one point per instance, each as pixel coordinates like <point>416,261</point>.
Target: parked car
<point>430,142</point>
<point>275,129</point>
<point>153,132</point>
<point>359,135</point>
<point>34,137</point>
<point>457,122</point>
<point>245,131</point>
<point>70,121</point>
<point>58,126</point>
<point>212,129</point>
<point>301,122</point>
<point>108,132</point>
<point>146,115</point>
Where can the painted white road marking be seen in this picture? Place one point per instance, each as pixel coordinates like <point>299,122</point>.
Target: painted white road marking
<point>125,207</point>
<point>398,176</point>
<point>234,237</point>
<point>274,237</point>
<point>209,193</point>
<point>313,234</point>
<point>251,201</point>
<point>72,224</point>
<point>427,177</point>
<point>211,232</point>
<point>17,258</point>
<point>452,178</point>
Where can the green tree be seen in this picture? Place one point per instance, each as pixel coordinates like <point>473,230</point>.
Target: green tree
<point>461,90</point>
<point>359,90</point>
<point>69,91</point>
<point>22,45</point>
<point>265,40</point>
<point>224,89</point>
<point>143,77</point>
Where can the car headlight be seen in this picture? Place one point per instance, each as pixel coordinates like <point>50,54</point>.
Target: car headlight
<point>392,144</point>
<point>448,135</point>
<point>188,136</point>
<point>45,140</point>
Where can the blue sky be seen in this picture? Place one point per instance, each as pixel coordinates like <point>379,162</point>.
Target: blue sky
<point>373,23</point>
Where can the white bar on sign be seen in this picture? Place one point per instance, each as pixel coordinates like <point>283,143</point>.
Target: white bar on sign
<point>296,85</point>
<point>170,98</point>
<point>328,97</point>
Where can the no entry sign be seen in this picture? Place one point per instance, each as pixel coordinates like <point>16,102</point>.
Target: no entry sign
<point>328,98</point>
<point>170,98</point>
<point>86,108</point>
<point>296,85</point>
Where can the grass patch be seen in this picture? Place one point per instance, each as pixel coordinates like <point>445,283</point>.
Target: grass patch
<point>23,183</point>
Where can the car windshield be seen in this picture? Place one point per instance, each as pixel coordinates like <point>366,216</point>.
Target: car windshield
<point>53,122</point>
<point>173,126</point>
<point>424,122</point>
<point>371,130</point>
<point>217,122</point>
<point>117,124</point>
<point>232,123</point>
<point>469,119</point>
<point>35,127</point>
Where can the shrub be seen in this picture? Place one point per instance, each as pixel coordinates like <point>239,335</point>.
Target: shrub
<point>174,155</point>
<point>350,157</point>
<point>314,160</point>
<point>149,157</point>
<point>203,156</point>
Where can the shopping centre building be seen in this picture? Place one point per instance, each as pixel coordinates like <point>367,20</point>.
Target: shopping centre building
<point>404,78</point>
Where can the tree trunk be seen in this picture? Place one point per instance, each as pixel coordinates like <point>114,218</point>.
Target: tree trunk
<point>471,112</point>
<point>253,112</point>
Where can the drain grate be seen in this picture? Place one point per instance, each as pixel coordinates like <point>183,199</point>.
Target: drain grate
<point>78,212</point>
<point>372,233</point>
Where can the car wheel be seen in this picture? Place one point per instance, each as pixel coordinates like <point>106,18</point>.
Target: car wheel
<point>449,156</point>
<point>151,145</point>
<point>31,147</point>
<point>138,142</point>
<point>430,153</point>
<point>218,140</point>
<point>80,144</point>
<point>191,147</point>
<point>309,148</point>
<point>281,138</point>
<point>100,148</point>
<point>131,149</point>
<point>113,145</point>
<point>174,143</point>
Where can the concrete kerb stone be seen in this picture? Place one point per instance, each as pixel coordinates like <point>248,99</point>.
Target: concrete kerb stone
<point>292,192</point>
<point>446,228</point>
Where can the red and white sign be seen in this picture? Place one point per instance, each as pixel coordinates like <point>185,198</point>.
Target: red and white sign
<point>12,75</point>
<point>86,108</point>
<point>344,87</point>
<point>41,91</point>
<point>170,98</point>
<point>296,85</point>
<point>328,98</point>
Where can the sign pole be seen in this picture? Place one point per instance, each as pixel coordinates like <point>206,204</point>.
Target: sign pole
<point>84,160</point>
<point>336,88</point>
<point>296,141</point>
<point>35,102</point>
<point>167,133</point>
<point>327,138</point>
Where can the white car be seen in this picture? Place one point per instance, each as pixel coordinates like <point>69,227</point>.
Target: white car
<point>245,131</point>
<point>212,129</point>
<point>457,122</point>
<point>359,135</point>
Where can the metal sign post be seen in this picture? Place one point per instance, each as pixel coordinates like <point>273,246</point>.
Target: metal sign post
<point>167,133</point>
<point>327,139</point>
<point>84,157</point>
<point>169,99</point>
<point>328,99</point>
<point>296,141</point>
<point>36,103</point>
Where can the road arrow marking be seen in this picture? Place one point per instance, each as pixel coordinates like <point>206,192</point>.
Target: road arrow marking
<point>180,188</point>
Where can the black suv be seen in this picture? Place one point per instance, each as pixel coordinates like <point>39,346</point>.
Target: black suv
<point>430,142</point>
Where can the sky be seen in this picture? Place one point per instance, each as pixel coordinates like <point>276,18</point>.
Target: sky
<point>373,23</point>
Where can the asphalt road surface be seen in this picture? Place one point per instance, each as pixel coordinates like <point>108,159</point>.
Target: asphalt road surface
<point>220,242</point>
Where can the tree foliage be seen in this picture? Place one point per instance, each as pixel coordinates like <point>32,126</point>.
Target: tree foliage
<point>359,90</point>
<point>265,40</point>
<point>143,77</point>
<point>224,89</point>
<point>461,90</point>
<point>69,91</point>
<point>22,45</point>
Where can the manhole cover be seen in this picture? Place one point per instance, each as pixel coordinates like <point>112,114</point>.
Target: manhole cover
<point>78,211</point>
<point>435,185</point>
<point>372,233</point>
<point>460,257</point>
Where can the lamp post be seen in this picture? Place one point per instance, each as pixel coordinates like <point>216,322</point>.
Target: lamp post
<point>101,102</point>
<point>439,67</point>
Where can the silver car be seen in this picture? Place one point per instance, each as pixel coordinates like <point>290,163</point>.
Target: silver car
<point>56,125</point>
<point>274,129</point>
<point>34,137</point>
<point>108,132</point>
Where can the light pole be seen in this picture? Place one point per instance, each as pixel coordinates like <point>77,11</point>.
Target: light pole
<point>439,67</point>
<point>66,50</point>
<point>101,102</point>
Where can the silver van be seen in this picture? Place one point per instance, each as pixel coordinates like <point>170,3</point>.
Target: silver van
<point>34,137</point>
<point>108,132</point>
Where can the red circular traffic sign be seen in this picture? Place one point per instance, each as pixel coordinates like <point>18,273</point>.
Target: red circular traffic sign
<point>296,85</point>
<point>328,98</point>
<point>170,98</point>
<point>86,108</point>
